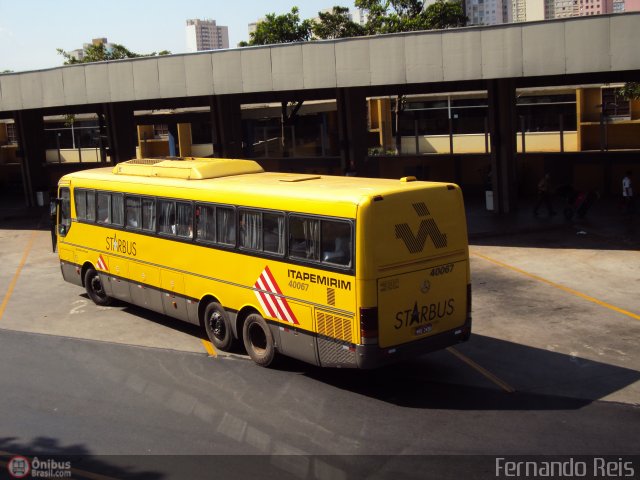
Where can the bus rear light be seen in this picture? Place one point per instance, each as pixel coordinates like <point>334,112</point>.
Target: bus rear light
<point>369,325</point>
<point>468,300</point>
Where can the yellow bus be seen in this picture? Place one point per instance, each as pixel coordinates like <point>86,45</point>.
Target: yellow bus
<point>334,271</point>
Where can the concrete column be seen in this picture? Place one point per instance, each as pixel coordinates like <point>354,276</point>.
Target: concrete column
<point>226,121</point>
<point>33,152</point>
<point>352,127</point>
<point>502,128</point>
<point>184,139</point>
<point>122,132</point>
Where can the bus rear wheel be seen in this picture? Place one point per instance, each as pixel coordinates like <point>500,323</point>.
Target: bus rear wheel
<point>258,340</point>
<point>95,289</point>
<point>218,327</point>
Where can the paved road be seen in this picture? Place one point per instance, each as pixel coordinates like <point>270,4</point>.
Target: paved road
<point>548,371</point>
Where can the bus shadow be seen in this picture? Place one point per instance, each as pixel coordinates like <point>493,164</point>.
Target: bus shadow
<point>540,379</point>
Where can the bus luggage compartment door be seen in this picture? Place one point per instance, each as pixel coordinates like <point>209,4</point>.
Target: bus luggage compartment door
<point>416,305</point>
<point>119,283</point>
<point>173,299</point>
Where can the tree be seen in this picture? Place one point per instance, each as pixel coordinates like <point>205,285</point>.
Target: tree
<point>100,53</point>
<point>443,14</point>
<point>630,91</point>
<point>336,24</point>
<point>285,28</point>
<point>391,16</point>
<point>6,71</point>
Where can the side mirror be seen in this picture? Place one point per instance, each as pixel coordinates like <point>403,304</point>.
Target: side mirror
<point>53,205</point>
<point>62,230</point>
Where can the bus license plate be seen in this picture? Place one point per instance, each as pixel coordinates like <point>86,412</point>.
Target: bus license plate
<point>424,329</point>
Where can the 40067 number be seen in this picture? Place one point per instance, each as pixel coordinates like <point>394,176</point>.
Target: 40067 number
<point>299,285</point>
<point>442,270</point>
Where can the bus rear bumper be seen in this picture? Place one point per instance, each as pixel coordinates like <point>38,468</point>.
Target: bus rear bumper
<point>372,356</point>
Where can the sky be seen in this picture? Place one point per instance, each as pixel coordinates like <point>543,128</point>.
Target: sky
<point>32,30</point>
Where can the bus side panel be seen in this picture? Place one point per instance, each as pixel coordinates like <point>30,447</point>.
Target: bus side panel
<point>297,343</point>
<point>70,273</point>
<point>175,304</point>
<point>142,294</point>
<point>119,267</point>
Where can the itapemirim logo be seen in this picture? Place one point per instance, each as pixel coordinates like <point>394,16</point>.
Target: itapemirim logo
<point>428,228</point>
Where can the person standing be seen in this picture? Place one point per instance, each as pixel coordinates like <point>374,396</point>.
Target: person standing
<point>544,196</point>
<point>627,192</point>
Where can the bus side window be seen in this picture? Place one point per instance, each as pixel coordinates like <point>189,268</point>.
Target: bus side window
<point>336,242</point>
<point>304,238</point>
<point>226,226</point>
<point>184,220</point>
<point>250,230</point>
<point>273,233</point>
<point>117,209</point>
<point>104,207</point>
<point>206,223</point>
<point>91,205</point>
<point>149,214</point>
<point>65,212</point>
<point>133,212</point>
<point>80,197</point>
<point>166,217</point>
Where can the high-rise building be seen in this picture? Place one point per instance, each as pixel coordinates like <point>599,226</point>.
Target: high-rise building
<point>532,10</point>
<point>206,35</point>
<point>618,6</point>
<point>488,12</point>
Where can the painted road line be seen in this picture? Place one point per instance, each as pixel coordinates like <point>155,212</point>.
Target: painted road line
<point>558,286</point>
<point>483,371</point>
<point>209,348</point>
<point>14,280</point>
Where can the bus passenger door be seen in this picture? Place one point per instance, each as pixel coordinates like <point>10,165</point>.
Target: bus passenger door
<point>173,299</point>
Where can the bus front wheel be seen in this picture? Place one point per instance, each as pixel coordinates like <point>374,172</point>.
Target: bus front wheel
<point>218,327</point>
<point>95,289</point>
<point>258,340</point>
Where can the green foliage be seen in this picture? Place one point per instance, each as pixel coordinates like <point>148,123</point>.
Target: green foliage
<point>391,16</point>
<point>69,119</point>
<point>6,71</point>
<point>630,91</point>
<point>336,24</point>
<point>443,14</point>
<point>100,53</point>
<point>283,28</point>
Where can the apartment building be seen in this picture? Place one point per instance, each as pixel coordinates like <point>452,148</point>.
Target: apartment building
<point>206,35</point>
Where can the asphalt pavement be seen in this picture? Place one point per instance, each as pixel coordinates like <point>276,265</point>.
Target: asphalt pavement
<point>552,369</point>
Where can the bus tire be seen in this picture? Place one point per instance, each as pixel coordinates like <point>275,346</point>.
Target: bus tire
<point>95,289</point>
<point>218,327</point>
<point>258,340</point>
